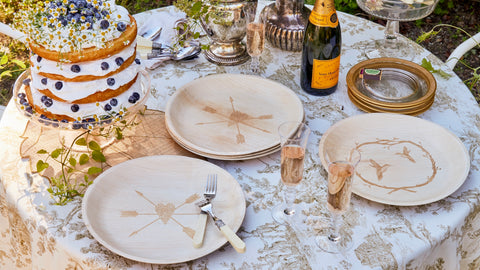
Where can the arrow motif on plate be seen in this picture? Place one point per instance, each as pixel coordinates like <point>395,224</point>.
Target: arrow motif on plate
<point>164,212</point>
<point>236,118</point>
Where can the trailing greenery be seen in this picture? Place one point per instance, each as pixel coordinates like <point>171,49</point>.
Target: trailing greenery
<point>73,181</point>
<point>475,79</point>
<point>428,66</point>
<point>77,171</point>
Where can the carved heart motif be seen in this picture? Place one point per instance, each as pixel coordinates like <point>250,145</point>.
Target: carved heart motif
<point>165,211</point>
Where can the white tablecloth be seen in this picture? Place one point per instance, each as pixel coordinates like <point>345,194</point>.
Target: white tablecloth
<point>440,235</point>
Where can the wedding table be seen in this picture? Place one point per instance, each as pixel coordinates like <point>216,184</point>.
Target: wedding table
<point>35,234</point>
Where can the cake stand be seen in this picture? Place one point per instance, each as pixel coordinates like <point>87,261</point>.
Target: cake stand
<point>395,11</point>
<point>103,130</point>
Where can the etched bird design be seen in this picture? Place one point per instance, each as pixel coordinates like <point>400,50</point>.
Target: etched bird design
<point>379,168</point>
<point>406,154</point>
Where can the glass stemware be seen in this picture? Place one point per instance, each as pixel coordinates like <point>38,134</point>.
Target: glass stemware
<point>340,175</point>
<point>395,11</point>
<point>293,144</point>
<point>255,38</point>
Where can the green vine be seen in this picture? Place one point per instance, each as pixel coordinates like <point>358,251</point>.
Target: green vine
<point>470,82</point>
<point>65,187</point>
<point>196,11</point>
<point>428,66</point>
<point>76,172</point>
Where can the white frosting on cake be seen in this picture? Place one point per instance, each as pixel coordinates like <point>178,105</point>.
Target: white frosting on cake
<point>91,109</point>
<point>56,34</point>
<point>72,91</point>
<point>90,68</point>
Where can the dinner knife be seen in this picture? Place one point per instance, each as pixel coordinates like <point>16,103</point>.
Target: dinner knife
<point>234,240</point>
<point>200,230</point>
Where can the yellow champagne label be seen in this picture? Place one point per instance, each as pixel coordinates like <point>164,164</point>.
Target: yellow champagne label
<point>325,73</point>
<point>326,20</point>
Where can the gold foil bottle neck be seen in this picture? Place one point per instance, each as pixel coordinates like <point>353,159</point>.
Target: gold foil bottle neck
<point>324,14</point>
<point>324,6</point>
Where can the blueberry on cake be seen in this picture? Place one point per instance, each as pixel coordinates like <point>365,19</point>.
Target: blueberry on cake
<point>83,60</point>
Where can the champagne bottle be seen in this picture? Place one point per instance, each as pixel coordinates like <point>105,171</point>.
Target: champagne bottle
<point>321,50</point>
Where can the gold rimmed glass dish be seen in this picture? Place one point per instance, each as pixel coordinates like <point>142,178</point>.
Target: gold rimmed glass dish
<point>399,86</point>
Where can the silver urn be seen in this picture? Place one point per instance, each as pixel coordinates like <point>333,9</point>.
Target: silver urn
<point>226,26</point>
<point>285,22</point>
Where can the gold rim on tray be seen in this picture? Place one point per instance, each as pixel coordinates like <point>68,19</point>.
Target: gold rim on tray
<point>398,76</point>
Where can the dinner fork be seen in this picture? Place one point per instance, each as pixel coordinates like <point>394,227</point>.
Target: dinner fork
<point>209,194</point>
<point>211,187</point>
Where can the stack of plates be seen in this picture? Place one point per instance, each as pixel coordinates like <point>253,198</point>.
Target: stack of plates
<point>231,116</point>
<point>404,87</point>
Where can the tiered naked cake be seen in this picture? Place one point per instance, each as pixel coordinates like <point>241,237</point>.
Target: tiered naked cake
<point>83,60</point>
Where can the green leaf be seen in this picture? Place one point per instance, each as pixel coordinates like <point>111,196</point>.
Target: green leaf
<point>426,35</point>
<point>427,65</point>
<point>81,141</point>
<point>56,153</point>
<point>72,161</point>
<point>93,145</point>
<point>196,7</point>
<point>19,63</point>
<point>83,159</point>
<point>444,74</point>
<point>94,170</point>
<point>6,73</point>
<point>118,133</point>
<point>42,151</point>
<point>98,156</point>
<point>42,165</point>
<point>4,59</point>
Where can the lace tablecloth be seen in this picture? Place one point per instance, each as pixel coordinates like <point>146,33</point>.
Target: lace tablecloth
<point>439,235</point>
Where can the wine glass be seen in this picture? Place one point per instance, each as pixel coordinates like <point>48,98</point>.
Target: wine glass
<point>255,38</point>
<point>293,139</point>
<point>340,175</point>
<point>395,11</point>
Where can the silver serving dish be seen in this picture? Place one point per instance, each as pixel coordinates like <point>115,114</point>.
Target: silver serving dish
<point>226,28</point>
<point>285,22</point>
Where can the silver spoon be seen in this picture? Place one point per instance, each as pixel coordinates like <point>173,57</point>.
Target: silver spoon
<point>185,53</point>
<point>152,34</point>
